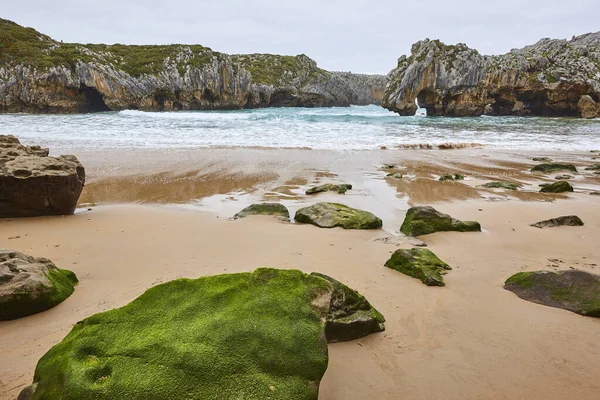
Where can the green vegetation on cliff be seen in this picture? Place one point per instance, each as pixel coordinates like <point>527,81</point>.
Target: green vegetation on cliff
<point>271,69</point>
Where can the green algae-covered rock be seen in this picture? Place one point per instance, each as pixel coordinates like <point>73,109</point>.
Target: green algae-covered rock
<point>553,167</point>
<point>330,215</point>
<point>572,290</point>
<point>450,177</point>
<point>275,209</point>
<point>396,175</point>
<point>501,185</point>
<point>351,316</point>
<point>425,220</point>
<point>419,263</point>
<point>593,167</point>
<point>330,187</point>
<point>258,335</point>
<point>557,187</point>
<point>29,285</point>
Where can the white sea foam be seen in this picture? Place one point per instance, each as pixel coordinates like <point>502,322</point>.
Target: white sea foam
<point>351,128</point>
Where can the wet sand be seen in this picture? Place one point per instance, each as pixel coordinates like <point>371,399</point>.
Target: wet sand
<point>469,340</point>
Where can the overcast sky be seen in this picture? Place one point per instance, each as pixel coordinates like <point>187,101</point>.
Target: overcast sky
<point>349,35</point>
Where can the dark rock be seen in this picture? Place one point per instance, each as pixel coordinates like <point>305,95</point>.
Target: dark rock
<point>557,187</point>
<point>449,177</point>
<point>396,175</point>
<point>569,220</point>
<point>563,177</point>
<point>258,335</point>
<point>593,167</point>
<point>330,215</point>
<point>419,263</point>
<point>572,290</point>
<point>276,209</point>
<point>425,220</point>
<point>542,159</point>
<point>30,285</point>
<point>500,185</point>
<point>553,167</point>
<point>33,184</point>
<point>330,187</point>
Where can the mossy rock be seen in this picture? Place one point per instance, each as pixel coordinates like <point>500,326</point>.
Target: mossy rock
<point>425,220</point>
<point>396,175</point>
<point>572,290</point>
<point>501,185</point>
<point>563,177</point>
<point>30,285</point>
<point>351,316</point>
<point>330,215</point>
<point>567,220</point>
<point>330,187</point>
<point>553,167</point>
<point>450,177</point>
<point>275,209</point>
<point>593,167</point>
<point>542,159</point>
<point>258,335</point>
<point>557,187</point>
<point>419,263</point>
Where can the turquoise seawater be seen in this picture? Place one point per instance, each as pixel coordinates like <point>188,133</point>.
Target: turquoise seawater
<point>352,128</point>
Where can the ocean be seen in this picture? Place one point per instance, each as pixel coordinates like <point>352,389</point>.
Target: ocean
<point>352,128</point>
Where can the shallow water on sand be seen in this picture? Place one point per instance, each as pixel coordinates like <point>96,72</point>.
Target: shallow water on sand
<point>352,128</point>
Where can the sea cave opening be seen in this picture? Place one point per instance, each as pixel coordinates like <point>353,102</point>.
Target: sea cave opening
<point>426,100</point>
<point>92,100</point>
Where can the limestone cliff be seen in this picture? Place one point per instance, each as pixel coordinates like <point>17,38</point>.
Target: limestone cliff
<point>41,75</point>
<point>549,78</point>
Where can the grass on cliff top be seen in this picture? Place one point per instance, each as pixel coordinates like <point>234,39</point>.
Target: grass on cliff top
<point>27,46</point>
<point>235,336</point>
<point>271,69</point>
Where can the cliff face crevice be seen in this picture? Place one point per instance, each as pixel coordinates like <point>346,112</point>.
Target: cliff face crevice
<point>41,75</point>
<point>548,78</point>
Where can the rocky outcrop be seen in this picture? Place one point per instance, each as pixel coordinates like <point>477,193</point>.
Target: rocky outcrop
<point>425,220</point>
<point>419,263</point>
<point>553,167</point>
<point>331,215</point>
<point>500,185</point>
<point>341,188</point>
<point>258,335</point>
<point>41,75</point>
<point>275,209</point>
<point>33,183</point>
<point>567,220</point>
<point>556,187</point>
<point>30,285</point>
<point>549,78</point>
<point>572,290</point>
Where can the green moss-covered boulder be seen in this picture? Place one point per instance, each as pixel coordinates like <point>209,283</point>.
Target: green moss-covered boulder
<point>567,220</point>
<point>549,168</point>
<point>330,215</point>
<point>276,209</point>
<point>258,335</point>
<point>330,187</point>
<point>501,185</point>
<point>572,290</point>
<point>419,263</point>
<point>351,316</point>
<point>557,187</point>
<point>396,175</point>
<point>425,220</point>
<point>593,167</point>
<point>450,177</point>
<point>29,285</point>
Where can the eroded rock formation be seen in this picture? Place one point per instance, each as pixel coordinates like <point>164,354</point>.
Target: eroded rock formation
<point>549,78</point>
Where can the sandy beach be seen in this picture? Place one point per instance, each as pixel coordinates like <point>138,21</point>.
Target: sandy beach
<point>158,215</point>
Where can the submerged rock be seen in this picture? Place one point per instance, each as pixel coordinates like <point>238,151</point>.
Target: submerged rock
<point>549,78</point>
<point>557,187</point>
<point>568,220</point>
<point>30,285</point>
<point>563,177</point>
<point>330,187</point>
<point>450,177</point>
<point>553,167</point>
<point>33,184</point>
<point>259,335</point>
<point>330,215</point>
<point>572,290</point>
<point>419,263</point>
<point>501,185</point>
<point>425,220</point>
<point>275,209</point>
